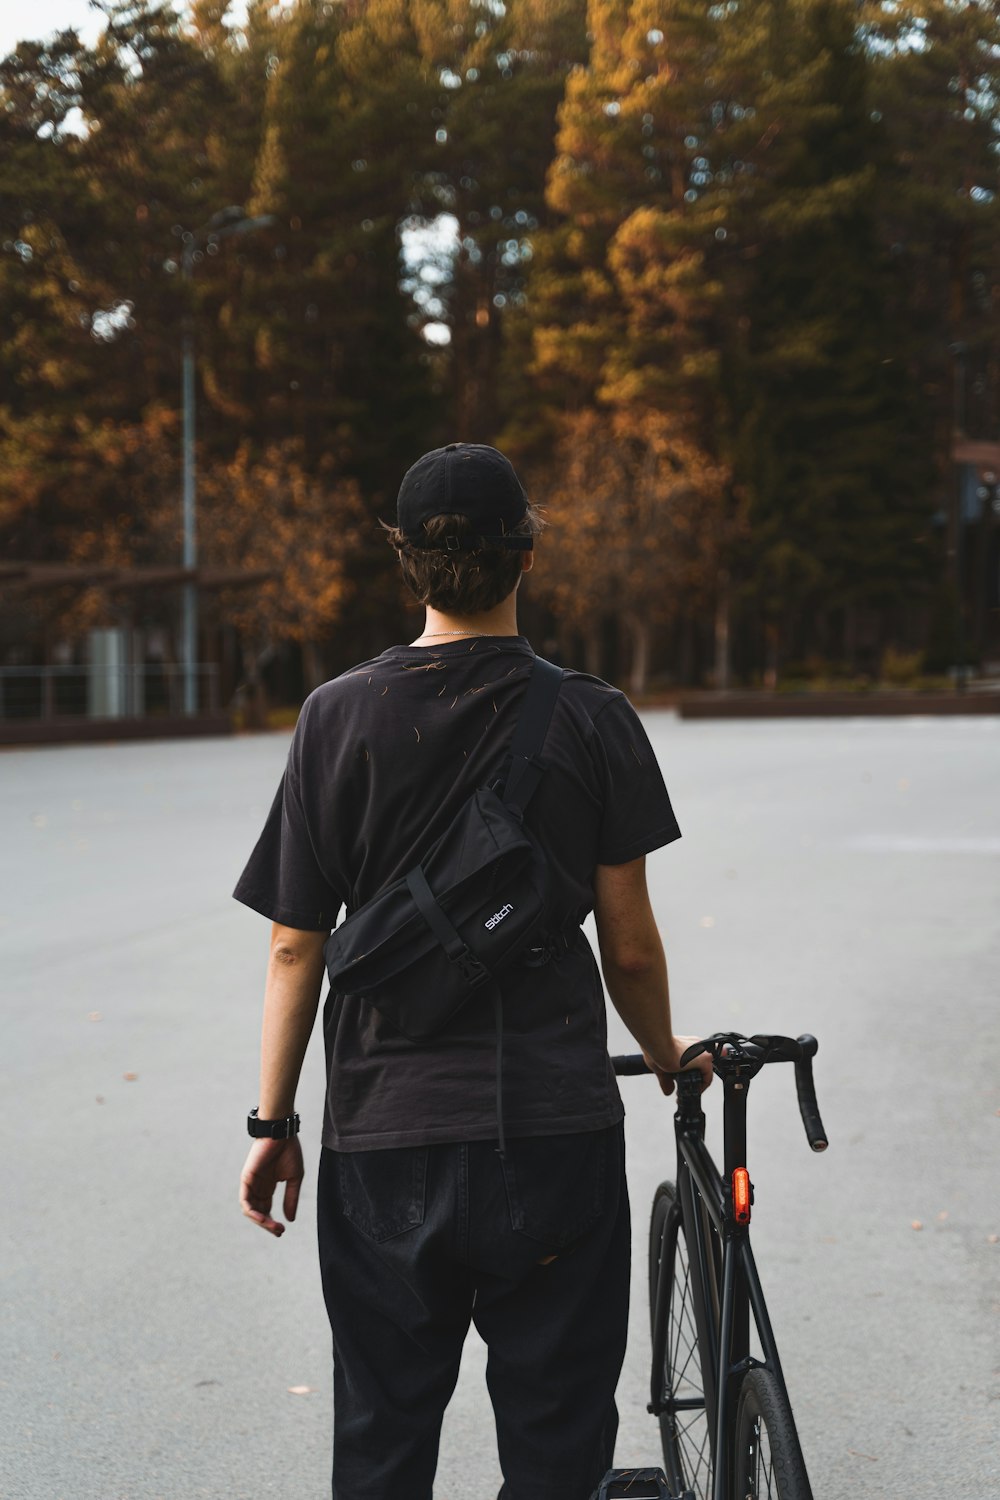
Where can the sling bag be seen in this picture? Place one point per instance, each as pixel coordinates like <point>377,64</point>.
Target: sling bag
<point>446,930</point>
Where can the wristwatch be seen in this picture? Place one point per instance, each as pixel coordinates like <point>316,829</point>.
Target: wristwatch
<point>277,1130</point>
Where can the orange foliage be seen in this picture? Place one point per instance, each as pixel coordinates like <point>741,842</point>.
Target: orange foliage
<point>255,513</point>
<point>270,513</point>
<point>638,516</point>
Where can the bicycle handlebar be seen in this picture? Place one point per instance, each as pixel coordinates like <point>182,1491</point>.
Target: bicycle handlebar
<point>626,1064</point>
<point>764,1049</point>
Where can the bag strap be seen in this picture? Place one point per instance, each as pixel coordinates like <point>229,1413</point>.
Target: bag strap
<point>523,777</point>
<point>473,972</point>
<point>532,726</point>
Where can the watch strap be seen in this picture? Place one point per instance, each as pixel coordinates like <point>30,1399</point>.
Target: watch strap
<point>276,1130</point>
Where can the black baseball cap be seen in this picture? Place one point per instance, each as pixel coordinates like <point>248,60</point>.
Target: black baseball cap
<point>463,479</point>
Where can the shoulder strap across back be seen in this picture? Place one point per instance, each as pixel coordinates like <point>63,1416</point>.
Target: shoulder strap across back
<point>529,736</point>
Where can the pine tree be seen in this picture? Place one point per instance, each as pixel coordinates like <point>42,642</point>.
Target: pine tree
<point>618,305</point>
<point>724,259</point>
<point>499,74</point>
<point>938,91</point>
<point>43,340</point>
<point>818,387</point>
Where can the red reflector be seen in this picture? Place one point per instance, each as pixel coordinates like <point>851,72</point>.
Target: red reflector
<point>741,1195</point>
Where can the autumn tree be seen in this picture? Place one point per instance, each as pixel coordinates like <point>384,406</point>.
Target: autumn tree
<point>617,314</point>
<point>296,531</point>
<point>636,512</point>
<point>89,211</point>
<point>721,262</point>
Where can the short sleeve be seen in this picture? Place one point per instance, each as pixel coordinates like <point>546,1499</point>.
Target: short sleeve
<point>283,879</point>
<point>638,817</point>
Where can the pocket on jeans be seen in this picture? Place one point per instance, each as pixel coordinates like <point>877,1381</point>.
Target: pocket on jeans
<point>382,1192</point>
<point>557,1185</point>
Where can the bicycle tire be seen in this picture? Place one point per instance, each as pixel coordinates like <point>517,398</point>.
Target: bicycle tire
<point>684,1436</point>
<point>768,1462</point>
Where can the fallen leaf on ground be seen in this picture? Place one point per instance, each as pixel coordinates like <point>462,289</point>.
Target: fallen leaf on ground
<point>993,1239</point>
<point>917,1224</point>
<point>94,1015</point>
<point>942,1216</point>
<point>301,1390</point>
<point>99,1099</point>
<point>130,1077</point>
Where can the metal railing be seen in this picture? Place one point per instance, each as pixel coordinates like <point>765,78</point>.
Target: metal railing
<point>104,691</point>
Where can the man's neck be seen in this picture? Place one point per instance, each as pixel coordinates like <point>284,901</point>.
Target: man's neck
<point>440,625</point>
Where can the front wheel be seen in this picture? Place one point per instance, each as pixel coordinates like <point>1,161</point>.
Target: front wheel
<point>768,1459</point>
<point>677,1384</point>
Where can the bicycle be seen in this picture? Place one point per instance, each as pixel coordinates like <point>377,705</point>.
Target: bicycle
<point>726,1422</point>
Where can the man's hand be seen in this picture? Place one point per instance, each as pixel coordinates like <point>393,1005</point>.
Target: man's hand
<point>268,1163</point>
<point>663,1067</point>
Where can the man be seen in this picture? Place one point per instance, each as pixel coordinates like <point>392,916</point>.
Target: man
<point>423,1226</point>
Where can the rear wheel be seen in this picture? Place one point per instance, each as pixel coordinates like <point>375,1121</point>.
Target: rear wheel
<point>768,1458</point>
<point>677,1378</point>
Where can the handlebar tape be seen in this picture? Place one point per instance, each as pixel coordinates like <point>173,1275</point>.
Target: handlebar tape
<point>630,1063</point>
<point>805,1088</point>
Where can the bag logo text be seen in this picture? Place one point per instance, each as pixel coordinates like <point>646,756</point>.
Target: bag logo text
<point>498,917</point>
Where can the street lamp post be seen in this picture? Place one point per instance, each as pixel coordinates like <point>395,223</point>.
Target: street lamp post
<point>956,529</point>
<point>226,222</point>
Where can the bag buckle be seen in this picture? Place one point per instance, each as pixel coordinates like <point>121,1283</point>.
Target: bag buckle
<point>471,969</point>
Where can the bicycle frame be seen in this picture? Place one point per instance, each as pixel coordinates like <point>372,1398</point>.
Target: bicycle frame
<point>725,1285</point>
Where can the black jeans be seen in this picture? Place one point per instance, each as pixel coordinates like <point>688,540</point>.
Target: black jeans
<point>417,1242</point>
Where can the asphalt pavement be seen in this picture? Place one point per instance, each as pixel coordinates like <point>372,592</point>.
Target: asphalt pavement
<point>839,877</point>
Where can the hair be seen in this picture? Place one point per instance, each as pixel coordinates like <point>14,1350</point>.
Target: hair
<point>461,583</point>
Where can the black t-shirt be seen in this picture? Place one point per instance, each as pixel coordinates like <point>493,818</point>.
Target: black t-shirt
<point>381,759</point>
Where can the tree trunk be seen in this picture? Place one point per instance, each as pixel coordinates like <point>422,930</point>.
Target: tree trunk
<point>255,701</point>
<point>685,651</point>
<point>771,656</point>
<point>722,663</point>
<point>313,666</point>
<point>638,629</point>
<point>593,653</point>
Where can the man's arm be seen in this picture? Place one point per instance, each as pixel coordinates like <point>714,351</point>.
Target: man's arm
<point>291,995</point>
<point>635,969</point>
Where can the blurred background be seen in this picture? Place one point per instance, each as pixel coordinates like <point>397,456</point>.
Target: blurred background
<point>721,279</point>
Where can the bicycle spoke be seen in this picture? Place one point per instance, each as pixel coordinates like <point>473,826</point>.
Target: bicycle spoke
<point>679,1376</point>
<point>689,1340</point>
<point>762,1443</point>
<point>686,1439</point>
<point>682,1324</point>
<point>687,1317</point>
<point>700,1457</point>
